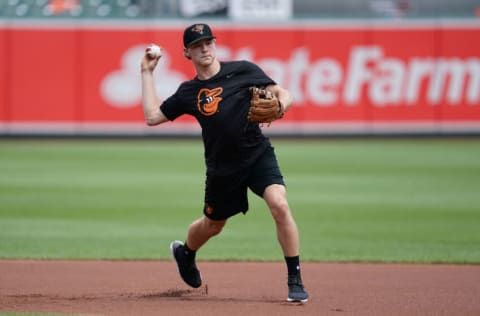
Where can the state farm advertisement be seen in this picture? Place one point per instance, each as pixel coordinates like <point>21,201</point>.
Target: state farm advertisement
<point>357,77</point>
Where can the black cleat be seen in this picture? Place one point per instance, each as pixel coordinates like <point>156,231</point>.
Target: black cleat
<point>296,292</point>
<point>186,267</point>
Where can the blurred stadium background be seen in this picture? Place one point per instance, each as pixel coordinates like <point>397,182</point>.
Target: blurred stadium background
<point>355,67</point>
<point>298,9</point>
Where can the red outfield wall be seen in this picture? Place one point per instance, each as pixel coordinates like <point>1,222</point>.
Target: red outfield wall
<point>345,76</point>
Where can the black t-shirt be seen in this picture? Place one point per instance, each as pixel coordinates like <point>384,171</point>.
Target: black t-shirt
<point>220,104</point>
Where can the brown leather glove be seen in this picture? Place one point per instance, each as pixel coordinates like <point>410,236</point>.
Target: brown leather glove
<point>264,106</point>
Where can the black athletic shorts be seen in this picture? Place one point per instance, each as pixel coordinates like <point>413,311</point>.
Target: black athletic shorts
<point>226,196</point>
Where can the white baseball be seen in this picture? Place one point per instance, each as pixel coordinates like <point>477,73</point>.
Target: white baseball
<point>153,51</point>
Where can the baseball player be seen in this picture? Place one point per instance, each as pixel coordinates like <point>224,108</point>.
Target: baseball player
<point>229,100</point>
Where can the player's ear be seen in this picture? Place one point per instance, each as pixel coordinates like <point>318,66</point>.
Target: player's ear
<point>186,54</point>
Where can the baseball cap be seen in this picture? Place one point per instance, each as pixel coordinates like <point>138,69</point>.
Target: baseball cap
<point>195,33</point>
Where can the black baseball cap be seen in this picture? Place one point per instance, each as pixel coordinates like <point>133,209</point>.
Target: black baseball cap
<point>195,33</point>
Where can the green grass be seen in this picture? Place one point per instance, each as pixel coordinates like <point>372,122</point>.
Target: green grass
<point>354,200</point>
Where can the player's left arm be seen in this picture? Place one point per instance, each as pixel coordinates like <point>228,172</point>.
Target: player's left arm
<point>283,95</point>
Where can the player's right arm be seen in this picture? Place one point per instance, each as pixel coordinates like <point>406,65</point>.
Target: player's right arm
<point>150,100</point>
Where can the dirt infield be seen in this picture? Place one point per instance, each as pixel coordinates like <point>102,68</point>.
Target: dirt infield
<point>236,288</point>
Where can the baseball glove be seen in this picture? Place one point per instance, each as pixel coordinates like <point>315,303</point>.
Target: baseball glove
<point>264,106</point>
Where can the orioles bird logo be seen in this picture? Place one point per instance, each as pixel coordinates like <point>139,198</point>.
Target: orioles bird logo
<point>208,100</point>
<point>208,209</point>
<point>198,28</point>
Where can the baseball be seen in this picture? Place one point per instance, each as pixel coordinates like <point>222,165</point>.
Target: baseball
<point>153,51</point>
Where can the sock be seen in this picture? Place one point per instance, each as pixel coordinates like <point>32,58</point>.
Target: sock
<point>293,265</point>
<point>189,253</point>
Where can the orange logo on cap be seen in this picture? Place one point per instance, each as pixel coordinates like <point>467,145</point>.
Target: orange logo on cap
<point>198,28</point>
<point>208,100</point>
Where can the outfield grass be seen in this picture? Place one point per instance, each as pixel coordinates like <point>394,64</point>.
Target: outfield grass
<point>354,200</point>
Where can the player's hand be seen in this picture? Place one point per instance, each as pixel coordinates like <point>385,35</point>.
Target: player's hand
<point>149,62</point>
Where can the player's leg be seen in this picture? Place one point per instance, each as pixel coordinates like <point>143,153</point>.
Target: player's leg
<point>199,232</point>
<point>266,180</point>
<point>224,197</point>
<point>287,233</point>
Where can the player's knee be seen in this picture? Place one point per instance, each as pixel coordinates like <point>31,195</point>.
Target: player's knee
<point>280,210</point>
<point>276,198</point>
<point>277,201</point>
<point>280,207</point>
<point>214,227</point>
